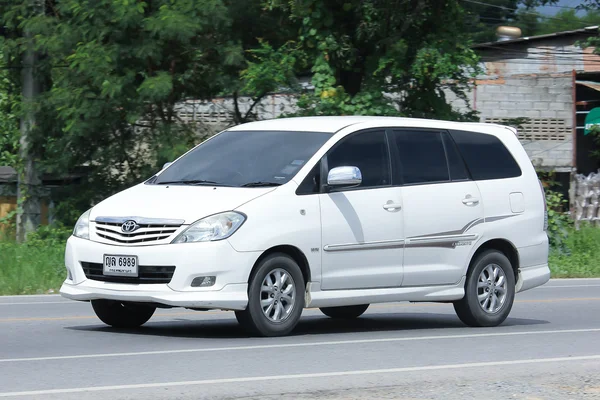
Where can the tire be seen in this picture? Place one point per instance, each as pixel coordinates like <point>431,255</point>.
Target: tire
<point>469,309</point>
<point>122,314</point>
<point>345,312</point>
<point>282,305</point>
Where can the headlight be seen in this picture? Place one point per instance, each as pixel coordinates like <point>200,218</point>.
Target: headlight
<point>82,227</point>
<point>209,229</point>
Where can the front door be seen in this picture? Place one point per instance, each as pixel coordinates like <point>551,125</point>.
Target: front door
<point>362,227</point>
<point>443,210</point>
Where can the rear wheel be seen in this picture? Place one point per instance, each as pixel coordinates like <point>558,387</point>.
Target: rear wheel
<point>345,312</point>
<point>489,291</point>
<point>122,314</point>
<point>275,297</point>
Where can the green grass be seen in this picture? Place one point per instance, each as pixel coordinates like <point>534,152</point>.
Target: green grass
<point>27,269</point>
<point>37,267</point>
<point>582,256</point>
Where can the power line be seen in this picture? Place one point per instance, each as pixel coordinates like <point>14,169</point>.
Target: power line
<point>531,62</point>
<point>516,9</point>
<point>561,54</point>
<point>539,61</point>
<point>565,7</point>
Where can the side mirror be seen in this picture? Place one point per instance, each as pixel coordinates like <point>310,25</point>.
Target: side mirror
<point>344,177</point>
<point>166,165</point>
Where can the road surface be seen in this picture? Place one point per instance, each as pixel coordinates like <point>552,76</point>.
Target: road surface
<point>549,348</point>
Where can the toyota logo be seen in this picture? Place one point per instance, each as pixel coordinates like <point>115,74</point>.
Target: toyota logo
<point>129,226</point>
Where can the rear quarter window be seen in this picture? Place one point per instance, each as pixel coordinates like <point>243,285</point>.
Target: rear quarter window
<point>486,156</point>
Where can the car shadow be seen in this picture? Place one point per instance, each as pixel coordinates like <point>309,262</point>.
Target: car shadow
<point>228,328</point>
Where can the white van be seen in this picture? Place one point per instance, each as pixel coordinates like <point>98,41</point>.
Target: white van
<point>270,217</point>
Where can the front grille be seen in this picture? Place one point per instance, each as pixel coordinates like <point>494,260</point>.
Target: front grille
<point>146,274</point>
<point>146,231</point>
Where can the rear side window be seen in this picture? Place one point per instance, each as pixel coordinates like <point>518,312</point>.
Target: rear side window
<point>422,156</point>
<point>486,156</point>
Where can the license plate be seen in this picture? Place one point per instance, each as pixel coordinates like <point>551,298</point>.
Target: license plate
<point>120,265</point>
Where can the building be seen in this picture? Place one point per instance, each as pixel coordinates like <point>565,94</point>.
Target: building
<point>549,82</point>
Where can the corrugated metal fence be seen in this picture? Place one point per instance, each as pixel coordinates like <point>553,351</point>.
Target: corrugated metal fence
<point>587,198</point>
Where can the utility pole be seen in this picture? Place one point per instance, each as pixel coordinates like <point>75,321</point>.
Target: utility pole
<point>29,181</point>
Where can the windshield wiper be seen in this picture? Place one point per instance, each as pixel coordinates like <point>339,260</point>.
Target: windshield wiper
<point>261,184</point>
<point>190,182</point>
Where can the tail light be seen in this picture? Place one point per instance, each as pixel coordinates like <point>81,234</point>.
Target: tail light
<point>545,206</point>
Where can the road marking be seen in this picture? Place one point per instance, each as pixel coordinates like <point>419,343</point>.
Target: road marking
<point>303,344</point>
<point>417,304</point>
<point>299,376</point>
<point>33,296</point>
<point>174,314</point>
<point>30,296</point>
<point>558,300</point>
<point>40,302</point>
<point>564,286</point>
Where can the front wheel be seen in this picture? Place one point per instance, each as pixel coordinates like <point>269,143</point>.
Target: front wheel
<point>489,291</point>
<point>275,297</point>
<point>122,314</point>
<point>345,312</point>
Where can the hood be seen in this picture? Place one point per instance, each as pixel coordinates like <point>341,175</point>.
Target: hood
<point>189,203</point>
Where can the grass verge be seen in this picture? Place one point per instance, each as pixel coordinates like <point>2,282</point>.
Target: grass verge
<point>37,267</point>
<point>31,269</point>
<point>581,258</point>
<point>34,267</point>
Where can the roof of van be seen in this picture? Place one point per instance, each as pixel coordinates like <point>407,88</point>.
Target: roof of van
<point>334,124</point>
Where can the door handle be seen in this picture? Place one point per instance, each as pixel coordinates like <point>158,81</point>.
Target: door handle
<point>392,207</point>
<point>470,200</point>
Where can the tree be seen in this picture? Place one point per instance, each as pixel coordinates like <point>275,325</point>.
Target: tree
<point>567,20</point>
<point>528,22</point>
<point>116,71</point>
<point>360,50</point>
<point>9,121</point>
<point>486,15</point>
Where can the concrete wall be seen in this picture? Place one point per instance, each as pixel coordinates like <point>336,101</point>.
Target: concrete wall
<point>546,102</point>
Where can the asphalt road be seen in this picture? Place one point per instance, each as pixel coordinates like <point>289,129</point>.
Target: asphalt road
<point>549,348</point>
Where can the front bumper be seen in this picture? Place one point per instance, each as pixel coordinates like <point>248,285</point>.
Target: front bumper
<point>231,268</point>
<point>231,297</point>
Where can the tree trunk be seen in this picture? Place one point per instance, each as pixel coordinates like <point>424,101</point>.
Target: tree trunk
<point>29,181</point>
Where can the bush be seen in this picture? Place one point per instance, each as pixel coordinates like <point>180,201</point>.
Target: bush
<point>559,223</point>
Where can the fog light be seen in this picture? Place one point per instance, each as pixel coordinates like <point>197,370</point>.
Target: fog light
<point>204,281</point>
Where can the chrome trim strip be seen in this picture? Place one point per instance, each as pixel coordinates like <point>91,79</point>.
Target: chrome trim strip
<point>139,220</point>
<point>440,241</point>
<point>384,244</point>
<point>444,238</point>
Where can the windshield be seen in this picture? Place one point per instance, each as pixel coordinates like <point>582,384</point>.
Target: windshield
<point>245,158</point>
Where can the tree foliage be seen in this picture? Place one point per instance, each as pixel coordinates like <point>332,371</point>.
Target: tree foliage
<point>382,57</point>
<point>114,72</point>
<point>565,20</point>
<point>9,121</point>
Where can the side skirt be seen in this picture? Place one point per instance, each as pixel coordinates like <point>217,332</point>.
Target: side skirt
<point>315,297</point>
